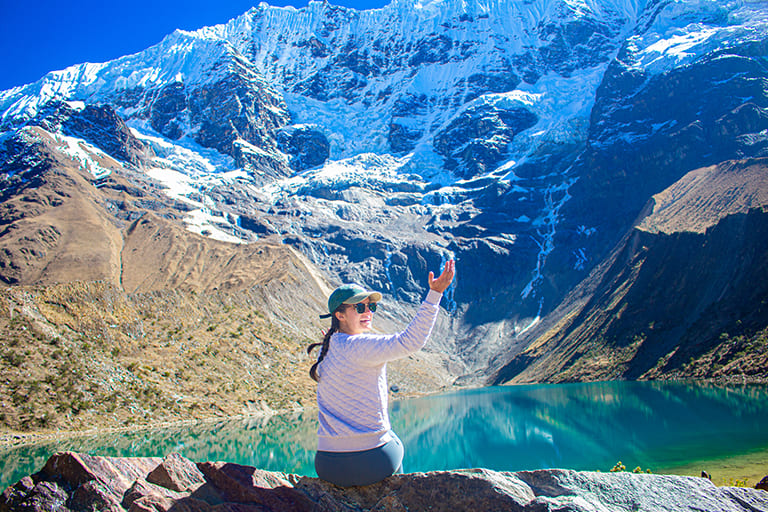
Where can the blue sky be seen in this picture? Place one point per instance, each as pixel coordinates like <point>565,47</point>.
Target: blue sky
<point>38,36</point>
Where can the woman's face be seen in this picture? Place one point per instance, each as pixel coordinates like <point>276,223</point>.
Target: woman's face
<point>352,322</point>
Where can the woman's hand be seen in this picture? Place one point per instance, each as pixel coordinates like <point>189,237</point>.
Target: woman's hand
<point>444,280</point>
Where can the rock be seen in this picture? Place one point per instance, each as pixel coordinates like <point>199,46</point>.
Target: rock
<point>403,135</point>
<point>477,489</point>
<point>245,484</point>
<point>94,495</point>
<point>143,495</point>
<point>402,138</point>
<point>43,497</point>
<point>307,147</point>
<point>762,484</point>
<point>169,103</point>
<point>237,111</point>
<point>16,493</point>
<point>101,125</point>
<point>117,473</point>
<point>79,482</point>
<point>98,124</point>
<point>747,498</point>
<point>177,473</point>
<point>477,140</point>
<point>575,490</point>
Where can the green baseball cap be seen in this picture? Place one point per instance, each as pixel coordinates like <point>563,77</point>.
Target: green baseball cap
<point>349,294</point>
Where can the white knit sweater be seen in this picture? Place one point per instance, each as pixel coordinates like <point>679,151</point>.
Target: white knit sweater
<point>352,394</point>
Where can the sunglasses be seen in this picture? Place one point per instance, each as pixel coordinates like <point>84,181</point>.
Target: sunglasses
<point>360,307</point>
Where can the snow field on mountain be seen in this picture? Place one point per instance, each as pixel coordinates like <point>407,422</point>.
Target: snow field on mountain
<point>204,219</point>
<point>184,155</point>
<point>208,223</point>
<point>684,31</point>
<point>186,172</point>
<point>85,155</point>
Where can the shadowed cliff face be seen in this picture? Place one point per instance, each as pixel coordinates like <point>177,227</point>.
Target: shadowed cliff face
<point>685,294</point>
<point>648,130</point>
<point>84,482</point>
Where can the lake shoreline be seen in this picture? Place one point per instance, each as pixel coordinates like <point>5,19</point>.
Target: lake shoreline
<point>10,440</point>
<point>724,471</point>
<point>731,469</point>
<point>15,439</point>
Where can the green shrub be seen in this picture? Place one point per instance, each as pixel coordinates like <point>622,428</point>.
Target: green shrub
<point>619,466</point>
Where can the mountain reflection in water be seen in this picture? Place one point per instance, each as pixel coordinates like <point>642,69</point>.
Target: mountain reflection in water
<point>581,426</point>
<point>587,426</point>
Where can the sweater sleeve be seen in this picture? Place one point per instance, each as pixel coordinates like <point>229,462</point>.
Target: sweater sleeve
<point>374,349</point>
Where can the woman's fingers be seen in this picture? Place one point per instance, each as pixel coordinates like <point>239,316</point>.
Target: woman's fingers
<point>444,280</point>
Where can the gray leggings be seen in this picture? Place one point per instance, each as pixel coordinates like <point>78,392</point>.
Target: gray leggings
<point>367,467</point>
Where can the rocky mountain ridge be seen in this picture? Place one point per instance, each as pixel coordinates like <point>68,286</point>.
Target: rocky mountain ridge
<point>72,481</point>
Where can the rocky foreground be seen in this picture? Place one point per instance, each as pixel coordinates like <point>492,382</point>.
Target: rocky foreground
<point>79,482</point>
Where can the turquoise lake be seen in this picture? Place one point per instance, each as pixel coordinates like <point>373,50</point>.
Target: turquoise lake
<point>577,426</point>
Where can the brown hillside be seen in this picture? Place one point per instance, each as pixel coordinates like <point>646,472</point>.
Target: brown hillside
<point>53,227</point>
<point>705,196</point>
<point>114,314</point>
<point>84,355</point>
<point>117,315</point>
<point>60,227</point>
<point>160,255</point>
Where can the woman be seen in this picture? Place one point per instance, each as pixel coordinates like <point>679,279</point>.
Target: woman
<point>356,444</point>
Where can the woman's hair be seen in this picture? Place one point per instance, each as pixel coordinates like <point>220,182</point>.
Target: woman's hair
<point>325,344</point>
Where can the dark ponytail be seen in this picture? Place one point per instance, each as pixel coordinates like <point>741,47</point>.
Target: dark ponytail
<point>325,344</point>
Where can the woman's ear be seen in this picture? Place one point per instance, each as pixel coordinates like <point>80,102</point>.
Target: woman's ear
<point>341,317</point>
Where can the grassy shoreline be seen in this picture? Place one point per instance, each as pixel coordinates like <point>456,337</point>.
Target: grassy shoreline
<point>727,470</point>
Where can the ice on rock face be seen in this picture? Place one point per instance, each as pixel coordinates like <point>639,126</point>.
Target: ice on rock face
<point>85,155</point>
<point>185,156</point>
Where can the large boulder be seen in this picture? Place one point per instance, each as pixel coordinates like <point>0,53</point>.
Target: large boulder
<point>78,482</point>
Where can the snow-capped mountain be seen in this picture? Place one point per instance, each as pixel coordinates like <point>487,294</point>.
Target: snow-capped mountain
<point>522,137</point>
